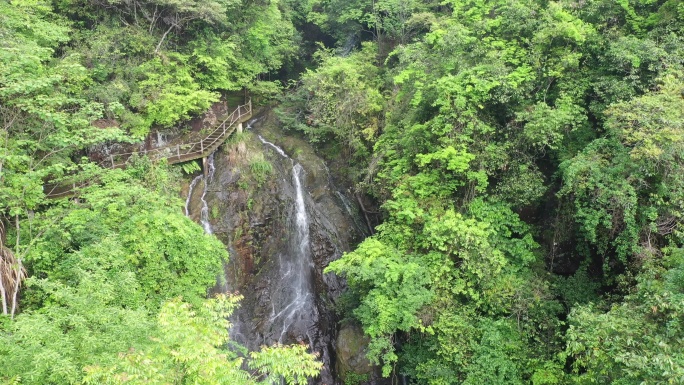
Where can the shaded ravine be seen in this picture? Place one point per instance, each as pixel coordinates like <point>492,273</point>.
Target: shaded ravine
<point>281,232</point>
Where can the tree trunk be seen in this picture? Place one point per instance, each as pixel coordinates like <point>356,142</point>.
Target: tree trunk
<point>3,292</point>
<point>18,275</point>
<point>365,214</point>
<point>4,255</point>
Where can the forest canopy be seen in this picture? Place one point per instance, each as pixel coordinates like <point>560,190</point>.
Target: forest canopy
<point>526,159</point>
<point>108,284</point>
<point>520,161</point>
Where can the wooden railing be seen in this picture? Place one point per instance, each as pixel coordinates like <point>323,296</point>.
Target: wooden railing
<point>188,151</point>
<point>176,153</point>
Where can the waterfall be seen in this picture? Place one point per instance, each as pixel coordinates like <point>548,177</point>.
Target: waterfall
<point>161,139</point>
<point>251,122</point>
<point>187,200</point>
<point>280,237</point>
<point>204,212</point>
<point>350,43</point>
<point>273,146</point>
<point>292,304</point>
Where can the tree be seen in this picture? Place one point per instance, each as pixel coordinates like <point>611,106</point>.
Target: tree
<point>78,324</point>
<point>487,114</point>
<point>339,104</point>
<point>100,267</point>
<point>625,190</point>
<point>168,14</point>
<point>448,275</point>
<point>190,349</point>
<point>639,339</point>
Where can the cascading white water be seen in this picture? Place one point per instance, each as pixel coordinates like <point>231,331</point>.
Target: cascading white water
<point>275,241</point>
<point>204,212</point>
<point>161,139</point>
<point>192,187</point>
<point>251,122</point>
<point>273,146</point>
<point>292,304</point>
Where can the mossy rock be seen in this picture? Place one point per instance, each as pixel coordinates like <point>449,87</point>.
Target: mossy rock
<point>351,347</point>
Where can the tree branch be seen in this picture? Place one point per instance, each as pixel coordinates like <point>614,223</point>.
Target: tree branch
<point>156,50</point>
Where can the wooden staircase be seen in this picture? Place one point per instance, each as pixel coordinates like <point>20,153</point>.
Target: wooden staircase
<point>175,153</point>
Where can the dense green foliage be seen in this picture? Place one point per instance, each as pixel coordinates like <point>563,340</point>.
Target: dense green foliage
<point>117,276</point>
<point>101,269</point>
<point>188,351</point>
<point>525,156</point>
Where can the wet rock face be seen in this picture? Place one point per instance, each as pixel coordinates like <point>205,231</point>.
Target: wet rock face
<point>253,210</point>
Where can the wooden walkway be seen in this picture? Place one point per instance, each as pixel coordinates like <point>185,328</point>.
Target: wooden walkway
<point>192,150</point>
<point>175,153</point>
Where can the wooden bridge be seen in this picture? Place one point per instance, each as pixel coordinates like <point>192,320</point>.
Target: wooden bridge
<point>174,153</point>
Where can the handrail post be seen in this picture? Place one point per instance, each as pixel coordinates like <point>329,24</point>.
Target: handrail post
<point>111,159</point>
<point>202,146</point>
<point>178,151</point>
